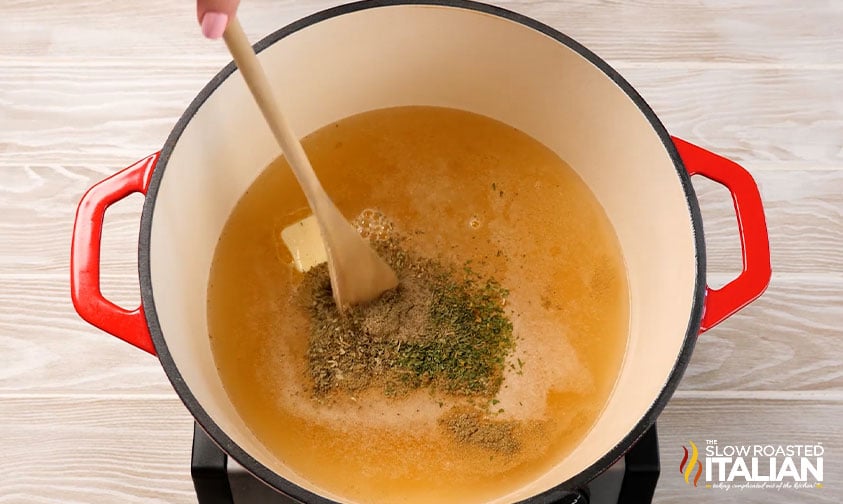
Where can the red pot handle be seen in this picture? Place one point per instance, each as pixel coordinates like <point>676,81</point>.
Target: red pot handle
<point>755,246</point>
<point>128,325</point>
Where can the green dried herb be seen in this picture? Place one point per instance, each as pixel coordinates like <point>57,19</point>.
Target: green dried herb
<point>467,337</point>
<point>441,328</point>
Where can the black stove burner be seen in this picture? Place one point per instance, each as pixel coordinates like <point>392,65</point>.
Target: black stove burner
<point>218,480</point>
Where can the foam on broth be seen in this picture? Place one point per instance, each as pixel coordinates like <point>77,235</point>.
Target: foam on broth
<point>461,186</point>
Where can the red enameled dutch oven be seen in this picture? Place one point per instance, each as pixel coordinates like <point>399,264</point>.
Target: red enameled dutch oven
<point>451,53</point>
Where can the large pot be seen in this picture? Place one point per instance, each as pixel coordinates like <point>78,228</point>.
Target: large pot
<point>452,53</point>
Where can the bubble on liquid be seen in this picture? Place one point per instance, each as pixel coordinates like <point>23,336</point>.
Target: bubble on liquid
<point>474,222</point>
<point>372,223</point>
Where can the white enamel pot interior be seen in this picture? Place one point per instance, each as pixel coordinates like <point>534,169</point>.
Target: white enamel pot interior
<point>456,54</point>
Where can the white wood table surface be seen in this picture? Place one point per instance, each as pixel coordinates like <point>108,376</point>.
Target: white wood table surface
<point>89,86</point>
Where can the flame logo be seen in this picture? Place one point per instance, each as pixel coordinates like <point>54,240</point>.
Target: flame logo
<point>686,467</point>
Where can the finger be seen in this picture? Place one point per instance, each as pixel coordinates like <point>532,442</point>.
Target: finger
<point>214,15</point>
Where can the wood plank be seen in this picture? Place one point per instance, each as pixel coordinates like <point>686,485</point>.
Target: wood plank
<point>39,206</point>
<point>103,118</point>
<point>111,449</point>
<point>89,450</point>
<point>47,348</point>
<point>804,213</point>
<point>762,118</point>
<point>160,32</point>
<point>157,32</point>
<point>788,340</point>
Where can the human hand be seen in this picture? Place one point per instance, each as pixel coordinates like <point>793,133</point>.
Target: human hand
<point>214,15</point>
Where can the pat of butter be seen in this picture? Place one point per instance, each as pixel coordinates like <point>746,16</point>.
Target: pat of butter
<point>304,241</point>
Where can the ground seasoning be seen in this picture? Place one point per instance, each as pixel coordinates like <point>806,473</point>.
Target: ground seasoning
<point>472,426</point>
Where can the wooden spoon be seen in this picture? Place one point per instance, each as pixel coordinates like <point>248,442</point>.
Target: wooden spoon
<point>358,274</point>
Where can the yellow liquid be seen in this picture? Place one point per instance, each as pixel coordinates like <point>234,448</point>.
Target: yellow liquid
<point>462,187</point>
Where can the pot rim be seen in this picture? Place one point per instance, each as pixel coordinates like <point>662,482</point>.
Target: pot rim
<point>273,479</point>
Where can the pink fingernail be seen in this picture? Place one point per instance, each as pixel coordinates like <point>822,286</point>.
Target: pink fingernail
<point>213,24</point>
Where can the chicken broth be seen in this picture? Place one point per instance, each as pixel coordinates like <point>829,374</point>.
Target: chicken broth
<point>460,187</point>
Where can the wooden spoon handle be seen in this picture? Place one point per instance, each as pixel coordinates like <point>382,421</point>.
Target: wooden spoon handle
<point>252,71</point>
<point>357,273</point>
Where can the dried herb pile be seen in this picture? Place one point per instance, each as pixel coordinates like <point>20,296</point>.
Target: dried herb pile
<point>472,426</point>
<point>442,327</point>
